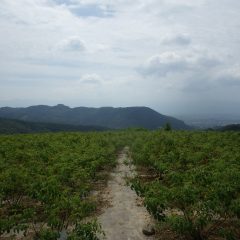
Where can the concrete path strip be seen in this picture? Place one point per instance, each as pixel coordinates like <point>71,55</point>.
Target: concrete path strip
<point>126,216</point>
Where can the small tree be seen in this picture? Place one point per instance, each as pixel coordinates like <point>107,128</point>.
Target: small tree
<point>167,127</point>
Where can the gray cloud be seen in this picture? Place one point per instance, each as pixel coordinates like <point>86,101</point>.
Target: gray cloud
<point>179,39</point>
<point>162,64</point>
<point>184,51</point>
<point>190,73</point>
<point>229,77</point>
<point>73,43</point>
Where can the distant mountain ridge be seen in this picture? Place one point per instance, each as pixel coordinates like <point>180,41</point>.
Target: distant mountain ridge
<point>109,117</point>
<point>231,127</point>
<point>12,126</point>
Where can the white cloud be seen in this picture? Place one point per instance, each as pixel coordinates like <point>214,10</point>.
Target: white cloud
<point>91,79</point>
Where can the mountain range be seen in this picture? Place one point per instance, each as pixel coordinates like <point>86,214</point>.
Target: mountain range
<point>106,117</point>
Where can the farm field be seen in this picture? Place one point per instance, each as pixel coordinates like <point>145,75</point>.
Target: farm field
<point>45,181</point>
<point>189,182</point>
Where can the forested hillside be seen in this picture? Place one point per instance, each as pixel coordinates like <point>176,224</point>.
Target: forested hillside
<point>232,127</point>
<point>11,126</point>
<point>108,117</point>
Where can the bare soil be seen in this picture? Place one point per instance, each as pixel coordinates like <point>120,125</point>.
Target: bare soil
<point>125,216</point>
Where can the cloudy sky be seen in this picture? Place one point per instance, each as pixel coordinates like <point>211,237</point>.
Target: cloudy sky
<point>176,56</point>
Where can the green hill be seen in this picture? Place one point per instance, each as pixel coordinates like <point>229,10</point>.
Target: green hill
<point>109,117</point>
<point>10,126</point>
<point>231,127</point>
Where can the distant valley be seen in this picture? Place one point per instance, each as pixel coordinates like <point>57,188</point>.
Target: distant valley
<point>206,121</point>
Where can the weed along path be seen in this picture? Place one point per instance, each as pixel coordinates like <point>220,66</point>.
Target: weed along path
<point>125,217</point>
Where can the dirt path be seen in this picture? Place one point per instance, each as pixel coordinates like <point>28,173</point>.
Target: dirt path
<point>125,218</point>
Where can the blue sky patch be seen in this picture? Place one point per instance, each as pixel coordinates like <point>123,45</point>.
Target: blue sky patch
<point>87,10</point>
<point>92,11</point>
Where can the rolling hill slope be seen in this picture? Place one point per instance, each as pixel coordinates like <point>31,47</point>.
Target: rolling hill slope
<point>10,126</point>
<point>231,127</point>
<point>114,118</point>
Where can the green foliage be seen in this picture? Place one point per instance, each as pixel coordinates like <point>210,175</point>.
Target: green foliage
<point>47,234</point>
<point>45,179</point>
<point>198,191</point>
<point>87,231</point>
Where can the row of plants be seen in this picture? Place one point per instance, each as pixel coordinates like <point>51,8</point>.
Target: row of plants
<point>190,181</point>
<point>46,180</point>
